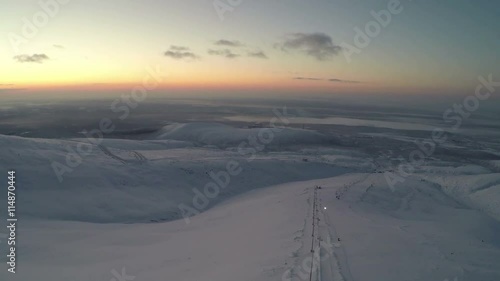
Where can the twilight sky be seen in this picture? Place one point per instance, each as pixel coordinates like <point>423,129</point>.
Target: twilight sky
<point>427,47</point>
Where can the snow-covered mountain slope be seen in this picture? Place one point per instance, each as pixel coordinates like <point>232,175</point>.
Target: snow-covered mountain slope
<point>146,180</point>
<point>365,232</point>
<point>88,210</point>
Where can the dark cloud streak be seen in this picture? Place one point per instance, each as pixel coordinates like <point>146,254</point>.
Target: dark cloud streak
<point>223,53</point>
<point>228,43</point>
<point>343,81</point>
<point>259,55</point>
<point>180,52</point>
<point>334,80</point>
<point>36,58</point>
<point>317,45</point>
<point>307,78</point>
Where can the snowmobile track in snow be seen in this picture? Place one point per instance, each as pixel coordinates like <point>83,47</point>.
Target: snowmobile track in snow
<point>139,158</point>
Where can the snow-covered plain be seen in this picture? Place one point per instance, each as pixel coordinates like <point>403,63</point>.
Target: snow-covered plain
<point>117,211</point>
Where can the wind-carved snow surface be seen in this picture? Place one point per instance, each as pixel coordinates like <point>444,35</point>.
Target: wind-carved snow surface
<point>118,210</point>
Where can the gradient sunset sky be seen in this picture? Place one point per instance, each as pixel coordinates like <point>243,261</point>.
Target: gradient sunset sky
<point>297,45</point>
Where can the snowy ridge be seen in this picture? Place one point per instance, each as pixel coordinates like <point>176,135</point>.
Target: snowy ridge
<point>481,192</point>
<point>224,135</point>
<point>149,176</point>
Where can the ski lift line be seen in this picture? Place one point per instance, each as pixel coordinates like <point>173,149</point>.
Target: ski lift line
<point>314,224</point>
<point>312,238</point>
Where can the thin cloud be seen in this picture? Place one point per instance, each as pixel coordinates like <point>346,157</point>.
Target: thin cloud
<point>223,53</point>
<point>317,45</point>
<point>58,46</point>
<point>343,81</point>
<point>180,55</point>
<point>334,80</point>
<point>178,48</point>
<point>259,55</point>
<point>36,58</point>
<point>307,78</point>
<point>180,52</point>
<point>228,43</point>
